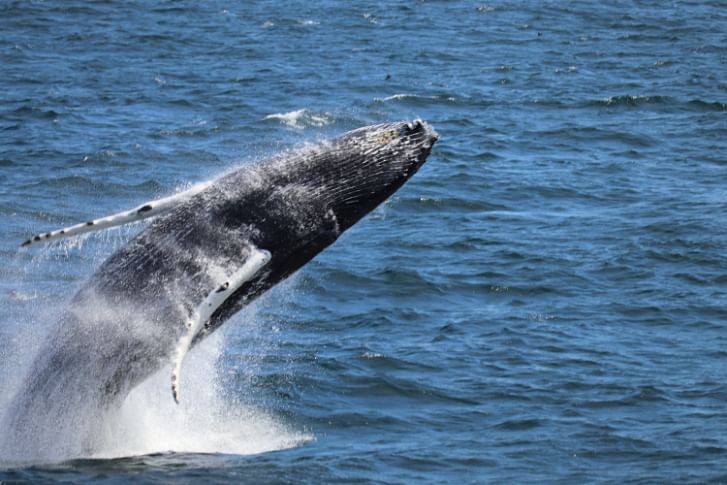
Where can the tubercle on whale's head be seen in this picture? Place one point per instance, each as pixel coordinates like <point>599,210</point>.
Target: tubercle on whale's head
<point>415,135</point>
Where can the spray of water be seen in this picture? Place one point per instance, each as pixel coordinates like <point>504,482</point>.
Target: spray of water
<point>147,420</point>
<point>205,421</point>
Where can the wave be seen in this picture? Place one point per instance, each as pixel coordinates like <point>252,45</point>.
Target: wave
<point>630,101</point>
<point>302,118</point>
<point>410,97</point>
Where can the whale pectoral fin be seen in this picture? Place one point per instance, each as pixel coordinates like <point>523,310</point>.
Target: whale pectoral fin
<point>144,211</point>
<point>257,260</point>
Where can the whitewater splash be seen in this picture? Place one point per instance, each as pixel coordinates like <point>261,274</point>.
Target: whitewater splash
<point>208,420</point>
<point>301,118</point>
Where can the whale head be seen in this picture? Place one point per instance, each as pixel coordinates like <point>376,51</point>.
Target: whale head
<point>364,167</point>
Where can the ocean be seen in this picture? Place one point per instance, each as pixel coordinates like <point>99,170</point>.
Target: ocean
<point>544,302</point>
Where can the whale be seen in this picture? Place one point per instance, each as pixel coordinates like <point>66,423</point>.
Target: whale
<point>205,254</point>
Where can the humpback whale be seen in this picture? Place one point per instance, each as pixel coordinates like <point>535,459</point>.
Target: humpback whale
<point>204,255</point>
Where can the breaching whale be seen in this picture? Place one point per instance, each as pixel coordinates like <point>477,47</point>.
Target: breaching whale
<point>206,253</point>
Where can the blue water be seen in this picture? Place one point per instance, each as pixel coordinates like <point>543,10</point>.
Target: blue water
<point>545,301</point>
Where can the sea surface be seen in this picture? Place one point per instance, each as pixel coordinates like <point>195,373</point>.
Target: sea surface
<point>544,302</point>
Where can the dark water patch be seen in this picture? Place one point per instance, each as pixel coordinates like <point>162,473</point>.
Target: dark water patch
<point>524,424</point>
<point>362,420</point>
<point>25,112</point>
<point>631,101</point>
<point>446,204</point>
<point>385,362</point>
<point>595,134</point>
<point>185,133</point>
<point>708,105</point>
<point>660,103</point>
<point>74,182</point>
<point>94,185</point>
<point>107,158</point>
<point>641,37</point>
<point>393,388</point>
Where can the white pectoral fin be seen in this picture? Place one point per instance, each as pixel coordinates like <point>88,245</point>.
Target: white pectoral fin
<point>144,211</point>
<point>255,262</point>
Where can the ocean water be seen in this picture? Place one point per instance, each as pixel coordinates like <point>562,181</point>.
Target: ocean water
<point>544,302</point>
